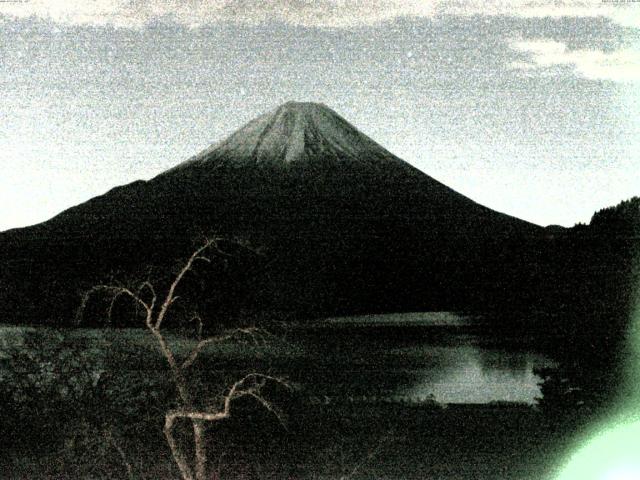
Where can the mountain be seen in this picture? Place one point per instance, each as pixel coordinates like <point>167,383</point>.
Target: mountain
<point>345,226</point>
<point>306,133</point>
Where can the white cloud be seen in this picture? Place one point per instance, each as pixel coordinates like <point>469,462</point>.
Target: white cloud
<point>135,13</point>
<point>339,13</point>
<point>622,12</point>
<point>619,65</point>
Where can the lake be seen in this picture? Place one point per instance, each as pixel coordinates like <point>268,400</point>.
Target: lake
<point>417,357</point>
<point>408,358</point>
<point>363,384</point>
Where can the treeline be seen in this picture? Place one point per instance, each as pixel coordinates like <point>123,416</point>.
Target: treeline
<point>591,300</point>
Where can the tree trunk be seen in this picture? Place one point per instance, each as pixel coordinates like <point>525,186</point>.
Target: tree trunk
<point>200,444</point>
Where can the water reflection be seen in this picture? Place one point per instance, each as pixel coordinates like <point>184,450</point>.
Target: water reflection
<point>417,362</point>
<point>400,363</point>
<point>481,376</point>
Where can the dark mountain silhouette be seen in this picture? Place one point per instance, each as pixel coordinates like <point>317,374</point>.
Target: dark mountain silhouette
<point>345,225</point>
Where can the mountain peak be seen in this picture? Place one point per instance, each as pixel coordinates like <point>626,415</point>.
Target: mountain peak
<point>303,107</point>
<point>294,132</point>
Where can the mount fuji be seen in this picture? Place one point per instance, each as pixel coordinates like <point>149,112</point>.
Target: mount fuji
<point>345,226</point>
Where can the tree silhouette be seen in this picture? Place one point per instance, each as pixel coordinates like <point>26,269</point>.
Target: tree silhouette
<point>155,308</point>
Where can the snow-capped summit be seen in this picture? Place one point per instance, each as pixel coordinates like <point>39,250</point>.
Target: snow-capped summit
<point>295,132</point>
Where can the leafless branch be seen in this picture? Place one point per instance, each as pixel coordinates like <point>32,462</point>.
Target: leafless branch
<point>195,317</point>
<point>193,356</point>
<point>170,298</point>
<point>116,291</point>
<point>249,386</point>
<point>254,334</point>
<point>238,390</point>
<point>148,285</point>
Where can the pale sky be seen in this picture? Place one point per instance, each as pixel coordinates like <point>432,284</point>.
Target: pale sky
<point>529,107</point>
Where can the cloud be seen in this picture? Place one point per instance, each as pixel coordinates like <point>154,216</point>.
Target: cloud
<point>336,13</point>
<point>136,13</point>
<point>623,12</point>
<point>619,65</point>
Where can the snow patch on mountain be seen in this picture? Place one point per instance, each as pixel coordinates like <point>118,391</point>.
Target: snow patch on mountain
<point>295,132</point>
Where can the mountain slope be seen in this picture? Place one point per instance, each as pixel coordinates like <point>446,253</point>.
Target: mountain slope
<point>295,132</point>
<point>346,226</point>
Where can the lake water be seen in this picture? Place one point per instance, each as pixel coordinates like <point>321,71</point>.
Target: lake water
<point>408,358</point>
<point>362,382</point>
<point>416,358</point>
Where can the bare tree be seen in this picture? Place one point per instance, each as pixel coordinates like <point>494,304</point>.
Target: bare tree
<point>155,309</point>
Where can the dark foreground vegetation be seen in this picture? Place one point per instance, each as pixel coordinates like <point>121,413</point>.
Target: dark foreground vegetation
<point>77,404</point>
<point>91,404</point>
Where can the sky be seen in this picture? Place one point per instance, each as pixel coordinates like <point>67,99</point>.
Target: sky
<point>531,108</point>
